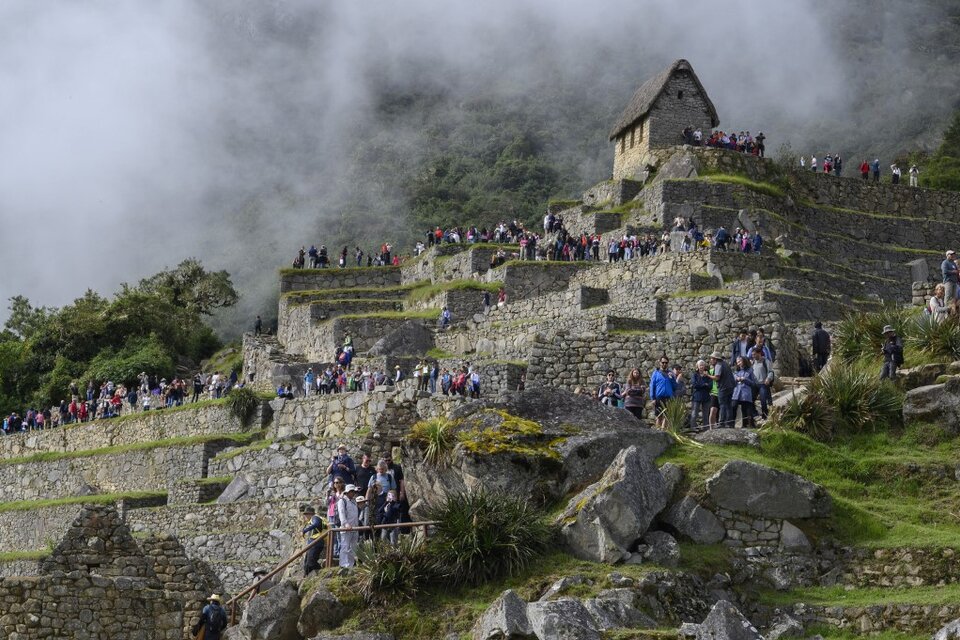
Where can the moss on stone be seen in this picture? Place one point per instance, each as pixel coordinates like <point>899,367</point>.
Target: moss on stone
<point>513,435</point>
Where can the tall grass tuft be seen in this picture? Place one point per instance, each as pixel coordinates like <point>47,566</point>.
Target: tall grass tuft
<point>483,536</point>
<point>860,335</point>
<point>807,413</point>
<point>935,339</point>
<point>436,437</point>
<point>860,401</point>
<point>243,403</point>
<point>676,415</point>
<point>385,573</point>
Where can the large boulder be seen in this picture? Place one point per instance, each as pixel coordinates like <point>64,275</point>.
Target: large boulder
<point>236,490</point>
<point>273,615</point>
<point>566,618</point>
<point>725,622</point>
<point>692,521</point>
<point>662,549</point>
<point>936,404</point>
<point>505,618</point>
<point>616,608</point>
<point>321,611</point>
<point>607,518</point>
<point>950,631</point>
<point>412,338</point>
<point>757,490</point>
<point>923,375</point>
<point>542,444</point>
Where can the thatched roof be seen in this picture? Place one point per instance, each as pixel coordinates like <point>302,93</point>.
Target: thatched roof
<point>648,93</point>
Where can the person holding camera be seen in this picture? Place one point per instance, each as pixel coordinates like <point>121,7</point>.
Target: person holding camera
<point>892,353</point>
<point>342,465</point>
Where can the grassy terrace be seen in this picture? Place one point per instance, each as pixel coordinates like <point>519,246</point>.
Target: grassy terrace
<point>310,295</point>
<point>429,290</point>
<point>105,498</point>
<point>842,597</point>
<point>765,188</point>
<point>48,456</point>
<point>878,502</point>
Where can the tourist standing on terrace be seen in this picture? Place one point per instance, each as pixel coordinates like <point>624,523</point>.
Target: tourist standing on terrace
<point>950,275</point>
<point>700,385</point>
<point>609,391</point>
<point>914,175</point>
<point>634,393</point>
<point>723,376</point>
<point>349,514</point>
<point>312,531</point>
<point>864,170</point>
<point>892,353</point>
<point>662,386</point>
<point>743,392</point>
<point>875,166</point>
<point>937,306</point>
<point>763,375</point>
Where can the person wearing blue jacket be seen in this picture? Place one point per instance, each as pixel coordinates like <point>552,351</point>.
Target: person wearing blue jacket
<point>700,385</point>
<point>743,391</point>
<point>757,242</point>
<point>661,389</point>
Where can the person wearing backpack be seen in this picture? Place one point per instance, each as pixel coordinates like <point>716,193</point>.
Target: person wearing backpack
<point>213,620</point>
<point>892,353</point>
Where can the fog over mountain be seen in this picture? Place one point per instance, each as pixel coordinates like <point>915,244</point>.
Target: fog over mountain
<point>136,134</point>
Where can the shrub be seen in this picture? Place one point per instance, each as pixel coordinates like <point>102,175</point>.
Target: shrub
<point>383,572</point>
<point>808,414</point>
<point>482,536</point>
<point>676,415</point>
<point>243,404</point>
<point>859,401</point>
<point>860,335</point>
<point>936,339</point>
<point>436,437</point>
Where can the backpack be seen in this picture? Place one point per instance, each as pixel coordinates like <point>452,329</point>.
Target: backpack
<point>218,620</point>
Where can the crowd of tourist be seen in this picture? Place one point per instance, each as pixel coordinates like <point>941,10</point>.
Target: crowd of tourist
<point>738,382</point>
<point>357,496</point>
<point>109,400</point>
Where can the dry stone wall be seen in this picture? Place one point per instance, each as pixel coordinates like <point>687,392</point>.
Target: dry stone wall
<point>311,279</point>
<point>147,426</point>
<point>145,470</point>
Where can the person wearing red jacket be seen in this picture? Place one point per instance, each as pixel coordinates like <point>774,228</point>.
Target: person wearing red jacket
<point>864,170</point>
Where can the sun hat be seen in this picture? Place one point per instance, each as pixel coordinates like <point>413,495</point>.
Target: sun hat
<point>888,329</point>
<point>951,253</point>
<point>214,597</point>
<point>716,355</point>
<point>361,499</point>
<point>349,488</point>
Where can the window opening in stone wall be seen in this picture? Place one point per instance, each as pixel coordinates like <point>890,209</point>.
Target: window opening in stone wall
<point>632,131</point>
<point>679,95</point>
<point>623,143</point>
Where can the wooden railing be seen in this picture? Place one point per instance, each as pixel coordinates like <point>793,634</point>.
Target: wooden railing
<point>326,538</point>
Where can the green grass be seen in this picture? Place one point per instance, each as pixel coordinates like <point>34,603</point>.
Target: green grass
<point>877,501</point>
<point>106,498</point>
<point>15,556</point>
<point>766,188</point>
<point>834,633</point>
<point>543,263</point>
<point>435,353</point>
<point>418,314</point>
<point>227,359</point>
<point>319,294</point>
<point>215,480</point>
<point>427,292</point>
<point>48,456</point>
<point>561,202</point>
<point>700,293</point>
<point>839,596</point>
<point>259,445</point>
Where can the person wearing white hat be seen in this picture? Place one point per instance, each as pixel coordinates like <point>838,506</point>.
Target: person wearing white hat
<point>349,514</point>
<point>213,619</point>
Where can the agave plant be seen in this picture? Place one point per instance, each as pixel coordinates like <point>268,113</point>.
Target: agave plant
<point>436,436</point>
<point>807,413</point>
<point>676,415</point>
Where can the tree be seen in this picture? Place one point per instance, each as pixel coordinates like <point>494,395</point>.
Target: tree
<point>192,287</point>
<point>24,318</point>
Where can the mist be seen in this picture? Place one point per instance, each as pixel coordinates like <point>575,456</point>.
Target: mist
<point>136,134</point>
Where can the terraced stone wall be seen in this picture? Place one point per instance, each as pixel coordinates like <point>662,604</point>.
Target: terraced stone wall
<point>152,469</point>
<point>333,278</point>
<point>147,426</point>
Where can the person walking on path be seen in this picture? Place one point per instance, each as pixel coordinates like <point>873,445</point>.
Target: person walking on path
<point>213,620</point>
<point>821,346</point>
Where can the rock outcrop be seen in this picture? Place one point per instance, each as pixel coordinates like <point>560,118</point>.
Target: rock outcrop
<point>505,618</point>
<point>566,618</point>
<point>692,521</point>
<point>606,519</point>
<point>936,404</point>
<point>753,489</point>
<point>725,622</point>
<point>272,616</point>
